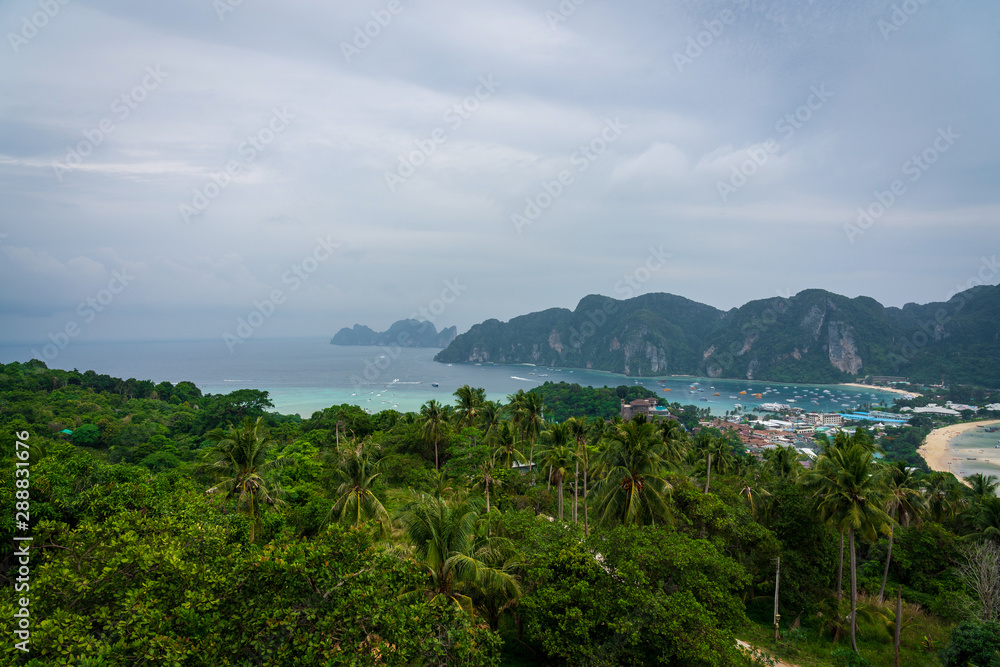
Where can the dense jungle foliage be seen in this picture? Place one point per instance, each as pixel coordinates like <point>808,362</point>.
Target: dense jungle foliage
<point>180,528</point>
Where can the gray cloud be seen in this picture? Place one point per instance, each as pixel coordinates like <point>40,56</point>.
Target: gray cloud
<point>694,117</point>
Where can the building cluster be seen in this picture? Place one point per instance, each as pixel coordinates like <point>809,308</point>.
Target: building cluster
<point>797,429</point>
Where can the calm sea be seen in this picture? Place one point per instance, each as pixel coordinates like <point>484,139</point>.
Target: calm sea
<point>975,451</point>
<point>304,375</point>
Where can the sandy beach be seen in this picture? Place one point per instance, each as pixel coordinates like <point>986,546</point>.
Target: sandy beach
<point>936,450</point>
<point>889,389</point>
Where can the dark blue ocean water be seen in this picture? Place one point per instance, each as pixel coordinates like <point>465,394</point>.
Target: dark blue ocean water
<point>308,374</point>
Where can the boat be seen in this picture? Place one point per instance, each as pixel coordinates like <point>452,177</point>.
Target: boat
<point>703,399</point>
<point>715,394</point>
<point>758,396</point>
<point>743,393</point>
<point>666,389</point>
<point>435,384</point>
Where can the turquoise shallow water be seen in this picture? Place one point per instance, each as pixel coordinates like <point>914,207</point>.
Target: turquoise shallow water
<point>309,374</point>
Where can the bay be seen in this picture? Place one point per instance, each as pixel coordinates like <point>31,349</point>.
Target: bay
<point>303,375</point>
<point>975,451</point>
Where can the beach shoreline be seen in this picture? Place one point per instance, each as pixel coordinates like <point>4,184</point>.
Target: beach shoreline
<point>892,390</point>
<point>936,449</point>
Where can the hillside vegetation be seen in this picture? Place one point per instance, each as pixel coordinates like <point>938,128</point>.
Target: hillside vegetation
<point>176,528</point>
<point>814,336</point>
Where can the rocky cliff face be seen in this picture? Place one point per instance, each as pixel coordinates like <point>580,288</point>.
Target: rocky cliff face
<point>814,336</point>
<point>843,350</point>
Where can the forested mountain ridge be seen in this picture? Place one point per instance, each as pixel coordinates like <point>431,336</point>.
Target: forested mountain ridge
<point>813,336</point>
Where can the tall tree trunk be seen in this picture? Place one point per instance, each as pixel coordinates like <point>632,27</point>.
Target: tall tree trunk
<point>576,492</point>
<point>436,467</point>
<point>854,592</point>
<point>885,573</point>
<point>777,580</point>
<point>709,477</point>
<point>487,480</point>
<point>559,484</point>
<point>586,521</point>
<point>840,571</point>
<point>899,625</point>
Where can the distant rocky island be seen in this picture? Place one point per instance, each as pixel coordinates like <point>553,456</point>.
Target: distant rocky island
<point>814,336</point>
<point>404,333</point>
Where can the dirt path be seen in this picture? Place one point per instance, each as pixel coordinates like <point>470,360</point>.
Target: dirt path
<point>778,663</point>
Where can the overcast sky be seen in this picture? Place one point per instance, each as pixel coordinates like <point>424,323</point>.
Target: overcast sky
<point>390,156</point>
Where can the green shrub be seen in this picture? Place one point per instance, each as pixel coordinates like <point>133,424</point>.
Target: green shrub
<point>972,643</point>
<point>845,657</point>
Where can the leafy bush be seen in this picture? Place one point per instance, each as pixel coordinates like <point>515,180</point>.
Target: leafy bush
<point>973,643</point>
<point>845,657</point>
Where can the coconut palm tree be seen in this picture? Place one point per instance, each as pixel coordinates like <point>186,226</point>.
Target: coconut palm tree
<point>851,496</point>
<point>559,456</point>
<point>503,441</point>
<point>357,466</point>
<point>582,434</point>
<point>985,518</point>
<point>783,462</point>
<point>490,417</point>
<point>470,404</point>
<point>944,495</point>
<point>434,424</point>
<point>904,503</point>
<point>632,489</point>
<point>443,534</point>
<point>528,412</point>
<point>675,439</point>
<point>484,478</point>
<point>981,486</point>
<point>717,451</point>
<point>240,456</point>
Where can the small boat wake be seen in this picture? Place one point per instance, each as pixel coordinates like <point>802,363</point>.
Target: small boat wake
<point>514,377</point>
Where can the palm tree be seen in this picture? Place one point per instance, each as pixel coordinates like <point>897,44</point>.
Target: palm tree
<point>435,420</point>
<point>674,437</point>
<point>982,486</point>
<point>443,534</point>
<point>633,489</point>
<point>356,470</point>
<point>719,451</point>
<point>582,433</point>
<point>484,478</point>
<point>503,441</point>
<point>240,456</point>
<point>783,462</point>
<point>529,418</point>
<point>903,503</point>
<point>559,456</point>
<point>490,417</point>
<point>985,518</point>
<point>470,404</point>
<point>944,495</point>
<point>852,498</point>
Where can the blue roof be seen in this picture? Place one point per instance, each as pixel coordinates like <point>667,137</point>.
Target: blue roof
<point>866,417</point>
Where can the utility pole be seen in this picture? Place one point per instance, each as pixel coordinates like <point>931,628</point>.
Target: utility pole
<point>777,616</point>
